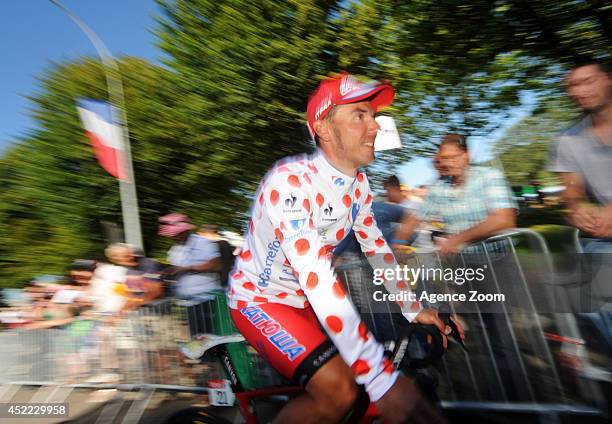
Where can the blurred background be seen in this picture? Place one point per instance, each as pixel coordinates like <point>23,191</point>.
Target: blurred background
<point>215,92</point>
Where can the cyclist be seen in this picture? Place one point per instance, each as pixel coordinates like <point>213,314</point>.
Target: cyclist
<point>283,284</point>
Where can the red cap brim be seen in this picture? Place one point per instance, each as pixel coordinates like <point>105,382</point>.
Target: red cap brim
<point>380,96</point>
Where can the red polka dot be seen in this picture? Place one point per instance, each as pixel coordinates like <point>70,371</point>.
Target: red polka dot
<point>340,234</point>
<point>363,331</point>
<point>306,304</point>
<point>415,306</point>
<point>260,299</point>
<point>379,242</point>
<point>299,292</point>
<point>311,223</point>
<point>251,226</point>
<point>400,303</point>
<point>387,366</point>
<point>261,199</point>
<point>286,263</point>
<point>238,275</point>
<point>279,235</point>
<point>325,251</point>
<point>294,181</point>
<point>346,199</point>
<point>282,295</point>
<point>334,323</point>
<point>360,177</point>
<point>312,281</point>
<point>313,168</point>
<point>246,255</point>
<point>307,178</point>
<point>297,274</point>
<point>362,234</point>
<point>370,253</point>
<point>249,286</point>
<point>306,205</point>
<point>338,290</point>
<point>283,169</point>
<point>320,199</point>
<point>274,197</point>
<point>283,225</point>
<point>302,246</point>
<point>360,367</point>
<point>389,258</point>
<point>368,199</point>
<point>368,221</point>
<point>401,285</point>
<point>242,304</point>
<point>357,193</point>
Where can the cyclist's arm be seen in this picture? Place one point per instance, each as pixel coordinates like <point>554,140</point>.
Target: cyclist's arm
<point>379,253</point>
<point>308,255</point>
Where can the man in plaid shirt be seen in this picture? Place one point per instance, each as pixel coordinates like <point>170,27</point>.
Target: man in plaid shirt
<point>470,203</point>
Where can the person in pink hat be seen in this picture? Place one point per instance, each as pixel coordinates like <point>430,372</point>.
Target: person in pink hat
<point>195,259</point>
<point>284,295</point>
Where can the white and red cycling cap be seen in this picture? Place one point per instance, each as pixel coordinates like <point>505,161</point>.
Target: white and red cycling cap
<point>342,89</point>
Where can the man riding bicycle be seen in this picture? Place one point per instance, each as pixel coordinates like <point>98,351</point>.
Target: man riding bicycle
<point>283,288</point>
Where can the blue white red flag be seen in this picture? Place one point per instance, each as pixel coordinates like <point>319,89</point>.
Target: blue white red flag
<point>104,133</point>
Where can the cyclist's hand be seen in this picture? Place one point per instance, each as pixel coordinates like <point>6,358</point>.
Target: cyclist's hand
<point>430,317</point>
<point>404,403</point>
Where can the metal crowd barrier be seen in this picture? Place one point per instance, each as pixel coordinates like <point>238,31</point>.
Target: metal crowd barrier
<point>528,354</point>
<point>138,348</point>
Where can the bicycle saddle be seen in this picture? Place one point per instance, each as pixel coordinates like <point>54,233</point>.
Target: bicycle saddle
<point>201,343</point>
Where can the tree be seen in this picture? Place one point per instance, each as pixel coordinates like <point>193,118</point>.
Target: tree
<point>53,193</point>
<point>524,148</point>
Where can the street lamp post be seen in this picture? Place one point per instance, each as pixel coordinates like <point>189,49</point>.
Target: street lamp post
<point>127,187</point>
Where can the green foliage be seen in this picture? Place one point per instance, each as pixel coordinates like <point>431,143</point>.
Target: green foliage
<point>524,148</point>
<point>232,98</point>
<point>55,195</point>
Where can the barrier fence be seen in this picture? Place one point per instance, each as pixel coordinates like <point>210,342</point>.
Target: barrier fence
<point>528,350</point>
<point>142,347</point>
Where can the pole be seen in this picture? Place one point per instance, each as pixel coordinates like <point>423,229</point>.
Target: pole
<point>127,188</point>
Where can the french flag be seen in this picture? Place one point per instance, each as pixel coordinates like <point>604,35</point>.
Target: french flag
<point>105,135</point>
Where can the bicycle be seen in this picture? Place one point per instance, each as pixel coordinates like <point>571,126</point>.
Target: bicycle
<point>364,411</point>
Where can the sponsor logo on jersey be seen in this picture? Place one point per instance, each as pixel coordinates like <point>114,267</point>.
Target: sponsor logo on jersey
<point>274,332</point>
<point>290,203</point>
<point>264,277</point>
<point>327,212</point>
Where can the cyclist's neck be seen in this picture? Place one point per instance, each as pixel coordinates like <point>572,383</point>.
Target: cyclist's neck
<point>334,165</point>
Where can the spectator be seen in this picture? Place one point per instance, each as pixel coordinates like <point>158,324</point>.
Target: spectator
<point>467,204</point>
<point>77,293</point>
<point>196,260</point>
<point>107,283</point>
<point>226,250</point>
<point>390,213</point>
<point>582,156</point>
<point>471,203</point>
